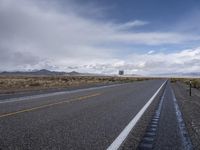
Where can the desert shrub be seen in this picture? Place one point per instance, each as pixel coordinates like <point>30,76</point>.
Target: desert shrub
<point>140,79</point>
<point>65,79</point>
<point>173,80</point>
<point>196,83</point>
<point>34,84</point>
<point>23,82</point>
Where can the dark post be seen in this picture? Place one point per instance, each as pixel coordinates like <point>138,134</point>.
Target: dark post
<point>190,88</point>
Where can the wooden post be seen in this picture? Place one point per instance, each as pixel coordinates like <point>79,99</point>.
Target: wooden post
<point>190,88</point>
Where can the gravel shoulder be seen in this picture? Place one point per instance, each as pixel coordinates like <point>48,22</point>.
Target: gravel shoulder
<point>190,108</point>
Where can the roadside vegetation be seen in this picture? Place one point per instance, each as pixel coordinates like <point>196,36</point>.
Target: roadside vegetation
<point>194,81</point>
<point>9,84</point>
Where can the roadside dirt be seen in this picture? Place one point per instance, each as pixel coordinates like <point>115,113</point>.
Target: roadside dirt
<point>190,108</point>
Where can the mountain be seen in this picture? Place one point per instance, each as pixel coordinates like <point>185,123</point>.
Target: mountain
<point>42,72</point>
<point>73,73</point>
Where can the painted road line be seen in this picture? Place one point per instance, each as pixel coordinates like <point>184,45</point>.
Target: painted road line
<point>48,105</point>
<point>125,132</point>
<point>55,94</point>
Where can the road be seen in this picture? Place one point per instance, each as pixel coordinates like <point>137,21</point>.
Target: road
<point>84,119</point>
<point>167,129</point>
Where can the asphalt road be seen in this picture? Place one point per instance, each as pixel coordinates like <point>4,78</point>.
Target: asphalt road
<point>84,119</point>
<point>52,90</point>
<point>168,136</point>
<point>167,130</point>
<point>172,132</point>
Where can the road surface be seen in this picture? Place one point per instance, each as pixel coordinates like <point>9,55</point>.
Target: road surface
<point>83,119</point>
<point>167,129</point>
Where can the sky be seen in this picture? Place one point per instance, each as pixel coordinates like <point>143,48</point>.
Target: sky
<point>141,37</point>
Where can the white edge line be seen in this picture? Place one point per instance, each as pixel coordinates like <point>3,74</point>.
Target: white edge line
<point>56,93</point>
<point>125,132</point>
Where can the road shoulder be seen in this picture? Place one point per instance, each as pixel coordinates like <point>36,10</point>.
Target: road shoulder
<point>190,108</point>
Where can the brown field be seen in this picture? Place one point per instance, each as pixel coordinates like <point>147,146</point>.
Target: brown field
<point>10,84</point>
<point>195,81</point>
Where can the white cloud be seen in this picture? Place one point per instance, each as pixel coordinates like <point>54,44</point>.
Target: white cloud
<point>35,36</point>
<point>153,38</point>
<point>131,24</point>
<point>157,63</point>
<point>151,52</point>
<point>180,62</point>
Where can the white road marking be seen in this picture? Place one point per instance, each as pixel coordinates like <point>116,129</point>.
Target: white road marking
<point>55,94</point>
<point>123,135</point>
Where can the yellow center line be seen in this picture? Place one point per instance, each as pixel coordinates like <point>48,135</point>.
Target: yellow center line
<point>49,105</point>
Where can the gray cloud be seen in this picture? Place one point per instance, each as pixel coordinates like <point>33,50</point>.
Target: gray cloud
<point>12,60</point>
<point>38,35</point>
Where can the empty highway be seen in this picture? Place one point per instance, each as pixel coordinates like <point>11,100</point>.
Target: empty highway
<point>83,119</point>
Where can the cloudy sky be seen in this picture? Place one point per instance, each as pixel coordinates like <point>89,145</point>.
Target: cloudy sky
<point>100,36</point>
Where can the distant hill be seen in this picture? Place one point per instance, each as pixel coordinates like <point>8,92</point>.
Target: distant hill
<point>42,72</point>
<point>73,73</point>
<point>45,72</point>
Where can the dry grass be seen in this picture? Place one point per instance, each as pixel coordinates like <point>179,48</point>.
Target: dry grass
<point>21,83</point>
<point>195,81</point>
